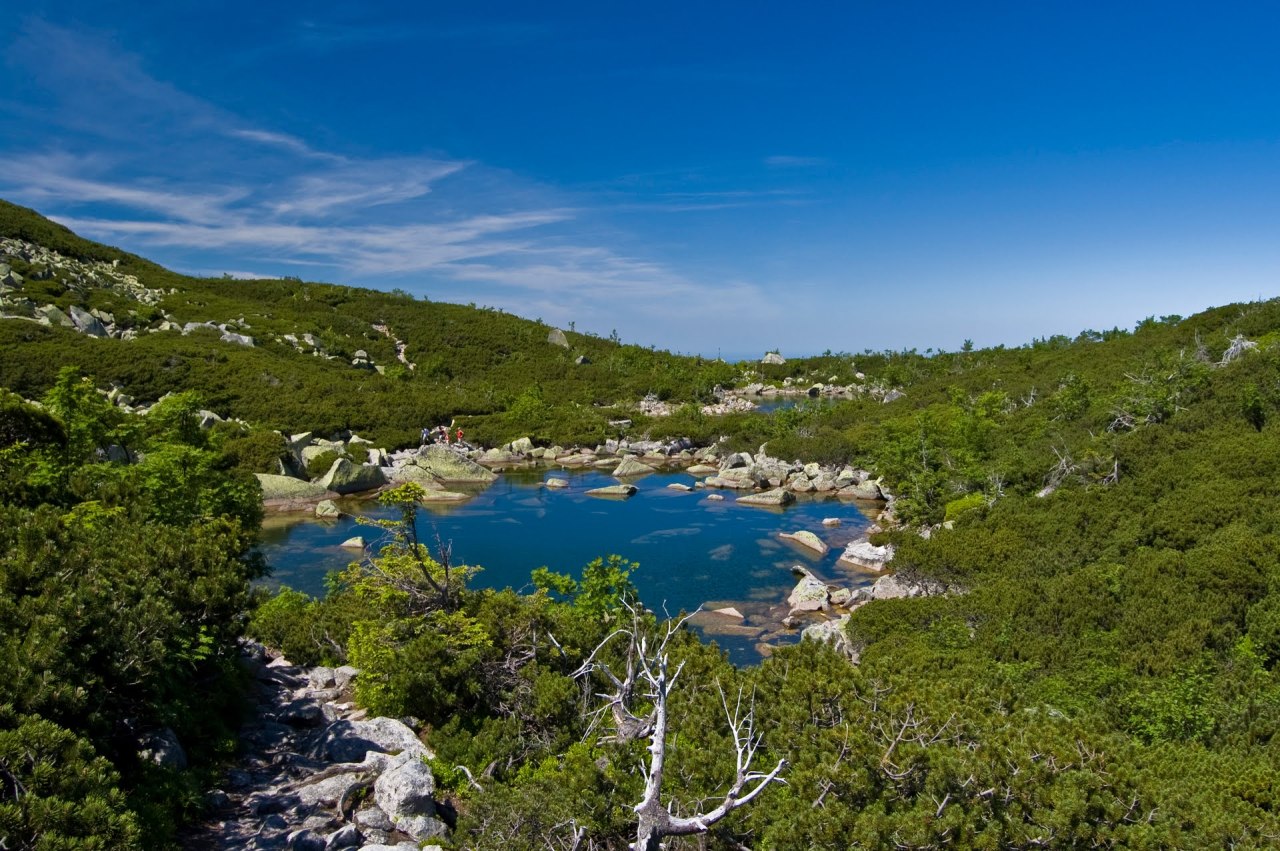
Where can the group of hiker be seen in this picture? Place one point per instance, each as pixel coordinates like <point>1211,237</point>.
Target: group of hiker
<point>440,434</point>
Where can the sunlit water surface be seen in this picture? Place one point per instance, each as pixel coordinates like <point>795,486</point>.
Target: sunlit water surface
<point>692,550</point>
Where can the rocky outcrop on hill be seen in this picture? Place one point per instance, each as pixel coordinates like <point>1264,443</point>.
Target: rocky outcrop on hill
<point>315,773</point>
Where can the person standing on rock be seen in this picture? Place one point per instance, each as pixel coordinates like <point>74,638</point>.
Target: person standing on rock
<point>459,435</point>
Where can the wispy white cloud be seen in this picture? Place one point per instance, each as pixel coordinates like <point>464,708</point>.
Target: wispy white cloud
<point>280,140</point>
<point>194,185</point>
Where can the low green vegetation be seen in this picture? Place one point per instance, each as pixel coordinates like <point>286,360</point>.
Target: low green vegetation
<point>123,589</point>
<point>1102,510</point>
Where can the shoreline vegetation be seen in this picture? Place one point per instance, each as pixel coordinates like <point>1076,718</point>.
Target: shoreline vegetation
<point>1102,671</point>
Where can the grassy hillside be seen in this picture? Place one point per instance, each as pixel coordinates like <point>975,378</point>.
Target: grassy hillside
<point>466,360</point>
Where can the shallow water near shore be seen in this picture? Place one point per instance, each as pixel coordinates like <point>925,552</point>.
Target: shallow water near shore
<point>692,550</point>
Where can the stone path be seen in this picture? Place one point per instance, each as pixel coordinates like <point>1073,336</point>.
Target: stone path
<point>315,774</point>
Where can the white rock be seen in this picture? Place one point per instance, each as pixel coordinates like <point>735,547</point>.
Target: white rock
<point>866,555</point>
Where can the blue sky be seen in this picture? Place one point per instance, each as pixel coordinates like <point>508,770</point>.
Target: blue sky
<point>706,177</point>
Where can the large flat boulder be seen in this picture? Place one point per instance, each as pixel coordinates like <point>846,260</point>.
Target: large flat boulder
<point>613,490</point>
<point>349,477</point>
<point>86,323</point>
<point>866,555</point>
<point>631,467</point>
<point>448,466</point>
<point>868,491</point>
<point>433,496</point>
<point>412,474</point>
<point>289,488</point>
<point>350,741</point>
<point>774,498</point>
<point>806,539</point>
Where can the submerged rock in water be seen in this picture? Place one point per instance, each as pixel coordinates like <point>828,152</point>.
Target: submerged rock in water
<point>806,539</point>
<point>775,497</point>
<point>444,496</point>
<point>613,490</point>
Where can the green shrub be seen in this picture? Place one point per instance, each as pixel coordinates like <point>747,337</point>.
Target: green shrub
<point>320,464</point>
<point>966,503</point>
<point>259,451</point>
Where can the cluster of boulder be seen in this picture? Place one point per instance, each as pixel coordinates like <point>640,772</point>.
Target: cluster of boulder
<point>402,347</point>
<point>812,596</point>
<point>790,388</point>
<point>316,773</point>
<point>817,607</point>
<point>360,467</point>
<point>83,276</point>
<point>228,332</point>
<point>76,276</point>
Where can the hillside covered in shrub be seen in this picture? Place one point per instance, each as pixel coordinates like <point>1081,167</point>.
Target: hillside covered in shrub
<point>1100,511</point>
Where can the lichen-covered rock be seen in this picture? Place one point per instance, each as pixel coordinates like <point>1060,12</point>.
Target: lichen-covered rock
<point>613,490</point>
<point>412,474</point>
<point>833,632</point>
<point>806,539</point>
<point>867,490</point>
<point>327,509</point>
<point>289,488</point>
<point>771,498</point>
<point>163,748</point>
<point>894,587</point>
<point>448,466</point>
<point>557,338</point>
<point>348,477</point>
<point>86,323</point>
<point>809,595</point>
<point>631,467</point>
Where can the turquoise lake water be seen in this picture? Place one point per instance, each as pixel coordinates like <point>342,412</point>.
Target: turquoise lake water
<point>692,550</point>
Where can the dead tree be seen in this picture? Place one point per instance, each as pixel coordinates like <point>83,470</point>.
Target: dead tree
<point>1239,345</point>
<point>648,677</point>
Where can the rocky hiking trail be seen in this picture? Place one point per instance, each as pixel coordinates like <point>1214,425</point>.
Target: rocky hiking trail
<point>315,774</point>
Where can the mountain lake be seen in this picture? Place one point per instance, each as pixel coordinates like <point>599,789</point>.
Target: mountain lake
<point>693,551</point>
